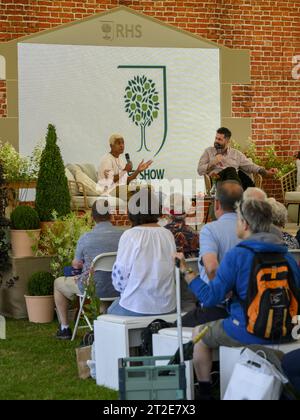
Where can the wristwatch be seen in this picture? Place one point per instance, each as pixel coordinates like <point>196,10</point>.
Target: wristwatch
<point>189,270</point>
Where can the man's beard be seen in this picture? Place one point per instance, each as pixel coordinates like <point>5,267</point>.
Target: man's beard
<point>219,147</point>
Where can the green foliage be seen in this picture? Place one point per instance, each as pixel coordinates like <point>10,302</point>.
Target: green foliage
<point>24,218</point>
<point>41,284</point>
<point>4,246</point>
<point>92,307</point>
<point>269,159</point>
<point>17,167</point>
<point>61,238</point>
<point>52,192</point>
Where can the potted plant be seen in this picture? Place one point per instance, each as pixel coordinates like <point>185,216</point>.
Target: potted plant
<point>52,192</point>
<point>25,231</point>
<point>40,299</point>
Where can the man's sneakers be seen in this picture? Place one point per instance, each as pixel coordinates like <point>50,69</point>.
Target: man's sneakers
<point>65,334</point>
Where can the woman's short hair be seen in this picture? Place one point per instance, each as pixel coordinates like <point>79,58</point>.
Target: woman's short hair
<point>279,213</point>
<point>257,214</point>
<point>143,207</point>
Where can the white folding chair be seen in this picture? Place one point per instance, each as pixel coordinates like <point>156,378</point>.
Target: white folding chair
<point>102,262</point>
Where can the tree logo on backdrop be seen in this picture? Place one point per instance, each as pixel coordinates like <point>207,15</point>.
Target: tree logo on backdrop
<point>143,104</point>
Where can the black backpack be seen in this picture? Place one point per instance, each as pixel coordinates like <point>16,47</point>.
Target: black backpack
<point>146,335</point>
<point>272,298</point>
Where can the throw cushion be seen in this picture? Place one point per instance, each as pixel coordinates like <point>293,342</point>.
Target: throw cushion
<point>89,170</point>
<point>89,184</point>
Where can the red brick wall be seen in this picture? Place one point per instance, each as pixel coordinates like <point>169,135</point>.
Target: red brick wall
<point>2,98</point>
<point>269,29</point>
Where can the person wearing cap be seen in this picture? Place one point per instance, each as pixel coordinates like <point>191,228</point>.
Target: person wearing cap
<point>104,237</point>
<point>186,239</point>
<point>113,170</point>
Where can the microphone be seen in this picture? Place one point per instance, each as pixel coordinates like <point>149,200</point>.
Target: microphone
<point>127,157</point>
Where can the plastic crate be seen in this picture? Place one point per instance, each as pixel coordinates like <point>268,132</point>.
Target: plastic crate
<point>140,378</point>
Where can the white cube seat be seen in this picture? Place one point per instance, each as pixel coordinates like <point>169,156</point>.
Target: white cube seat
<point>115,336</point>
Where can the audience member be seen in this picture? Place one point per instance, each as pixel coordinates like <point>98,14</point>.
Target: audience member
<point>144,269</point>
<point>291,367</point>
<point>234,273</point>
<point>186,239</point>
<point>103,238</point>
<point>216,238</point>
<point>255,194</point>
<point>279,219</point>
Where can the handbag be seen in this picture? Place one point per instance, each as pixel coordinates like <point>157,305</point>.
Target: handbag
<point>254,378</point>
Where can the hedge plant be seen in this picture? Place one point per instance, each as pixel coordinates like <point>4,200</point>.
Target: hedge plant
<point>24,218</point>
<point>41,283</point>
<point>52,192</point>
<point>4,246</point>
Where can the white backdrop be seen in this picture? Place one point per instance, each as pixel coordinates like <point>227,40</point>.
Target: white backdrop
<point>80,89</point>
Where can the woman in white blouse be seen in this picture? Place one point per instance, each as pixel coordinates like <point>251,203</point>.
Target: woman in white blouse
<point>144,269</point>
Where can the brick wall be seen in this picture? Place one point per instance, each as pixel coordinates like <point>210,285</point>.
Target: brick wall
<point>269,29</point>
<point>2,98</point>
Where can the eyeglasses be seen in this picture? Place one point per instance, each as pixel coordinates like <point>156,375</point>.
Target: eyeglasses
<point>240,206</point>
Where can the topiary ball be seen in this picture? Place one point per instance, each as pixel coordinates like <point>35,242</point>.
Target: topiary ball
<point>41,283</point>
<point>24,218</point>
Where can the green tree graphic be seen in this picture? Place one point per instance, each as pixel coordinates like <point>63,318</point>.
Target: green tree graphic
<point>142,104</point>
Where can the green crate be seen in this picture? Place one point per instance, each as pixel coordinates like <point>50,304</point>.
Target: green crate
<point>140,378</point>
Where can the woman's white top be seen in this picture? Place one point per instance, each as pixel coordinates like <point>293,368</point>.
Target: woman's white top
<point>144,270</point>
<point>298,171</point>
<point>115,166</point>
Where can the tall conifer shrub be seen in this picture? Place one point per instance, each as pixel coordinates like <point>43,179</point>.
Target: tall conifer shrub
<point>52,192</point>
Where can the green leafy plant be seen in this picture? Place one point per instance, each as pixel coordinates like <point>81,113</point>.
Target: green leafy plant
<point>41,283</point>
<point>18,168</point>
<point>269,159</point>
<point>92,307</point>
<point>4,246</point>
<point>24,218</point>
<point>142,104</point>
<point>61,238</point>
<point>52,192</point>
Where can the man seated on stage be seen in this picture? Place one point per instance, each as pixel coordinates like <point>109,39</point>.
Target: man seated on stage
<point>229,163</point>
<point>113,170</point>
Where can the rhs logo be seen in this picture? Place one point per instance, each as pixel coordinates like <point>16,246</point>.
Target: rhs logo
<point>142,104</point>
<point>146,106</point>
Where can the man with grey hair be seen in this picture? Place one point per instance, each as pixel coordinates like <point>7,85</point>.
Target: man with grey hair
<point>113,170</point>
<point>235,273</point>
<point>255,194</point>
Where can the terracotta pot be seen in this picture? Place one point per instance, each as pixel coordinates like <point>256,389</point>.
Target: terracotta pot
<point>45,226</point>
<point>40,309</point>
<point>22,242</point>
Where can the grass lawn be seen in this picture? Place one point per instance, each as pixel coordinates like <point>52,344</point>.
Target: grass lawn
<point>36,366</point>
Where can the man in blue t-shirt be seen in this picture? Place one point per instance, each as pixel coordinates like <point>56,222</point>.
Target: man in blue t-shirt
<point>104,237</point>
<point>254,225</point>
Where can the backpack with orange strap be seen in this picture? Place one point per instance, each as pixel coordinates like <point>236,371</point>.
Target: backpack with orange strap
<point>272,298</point>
